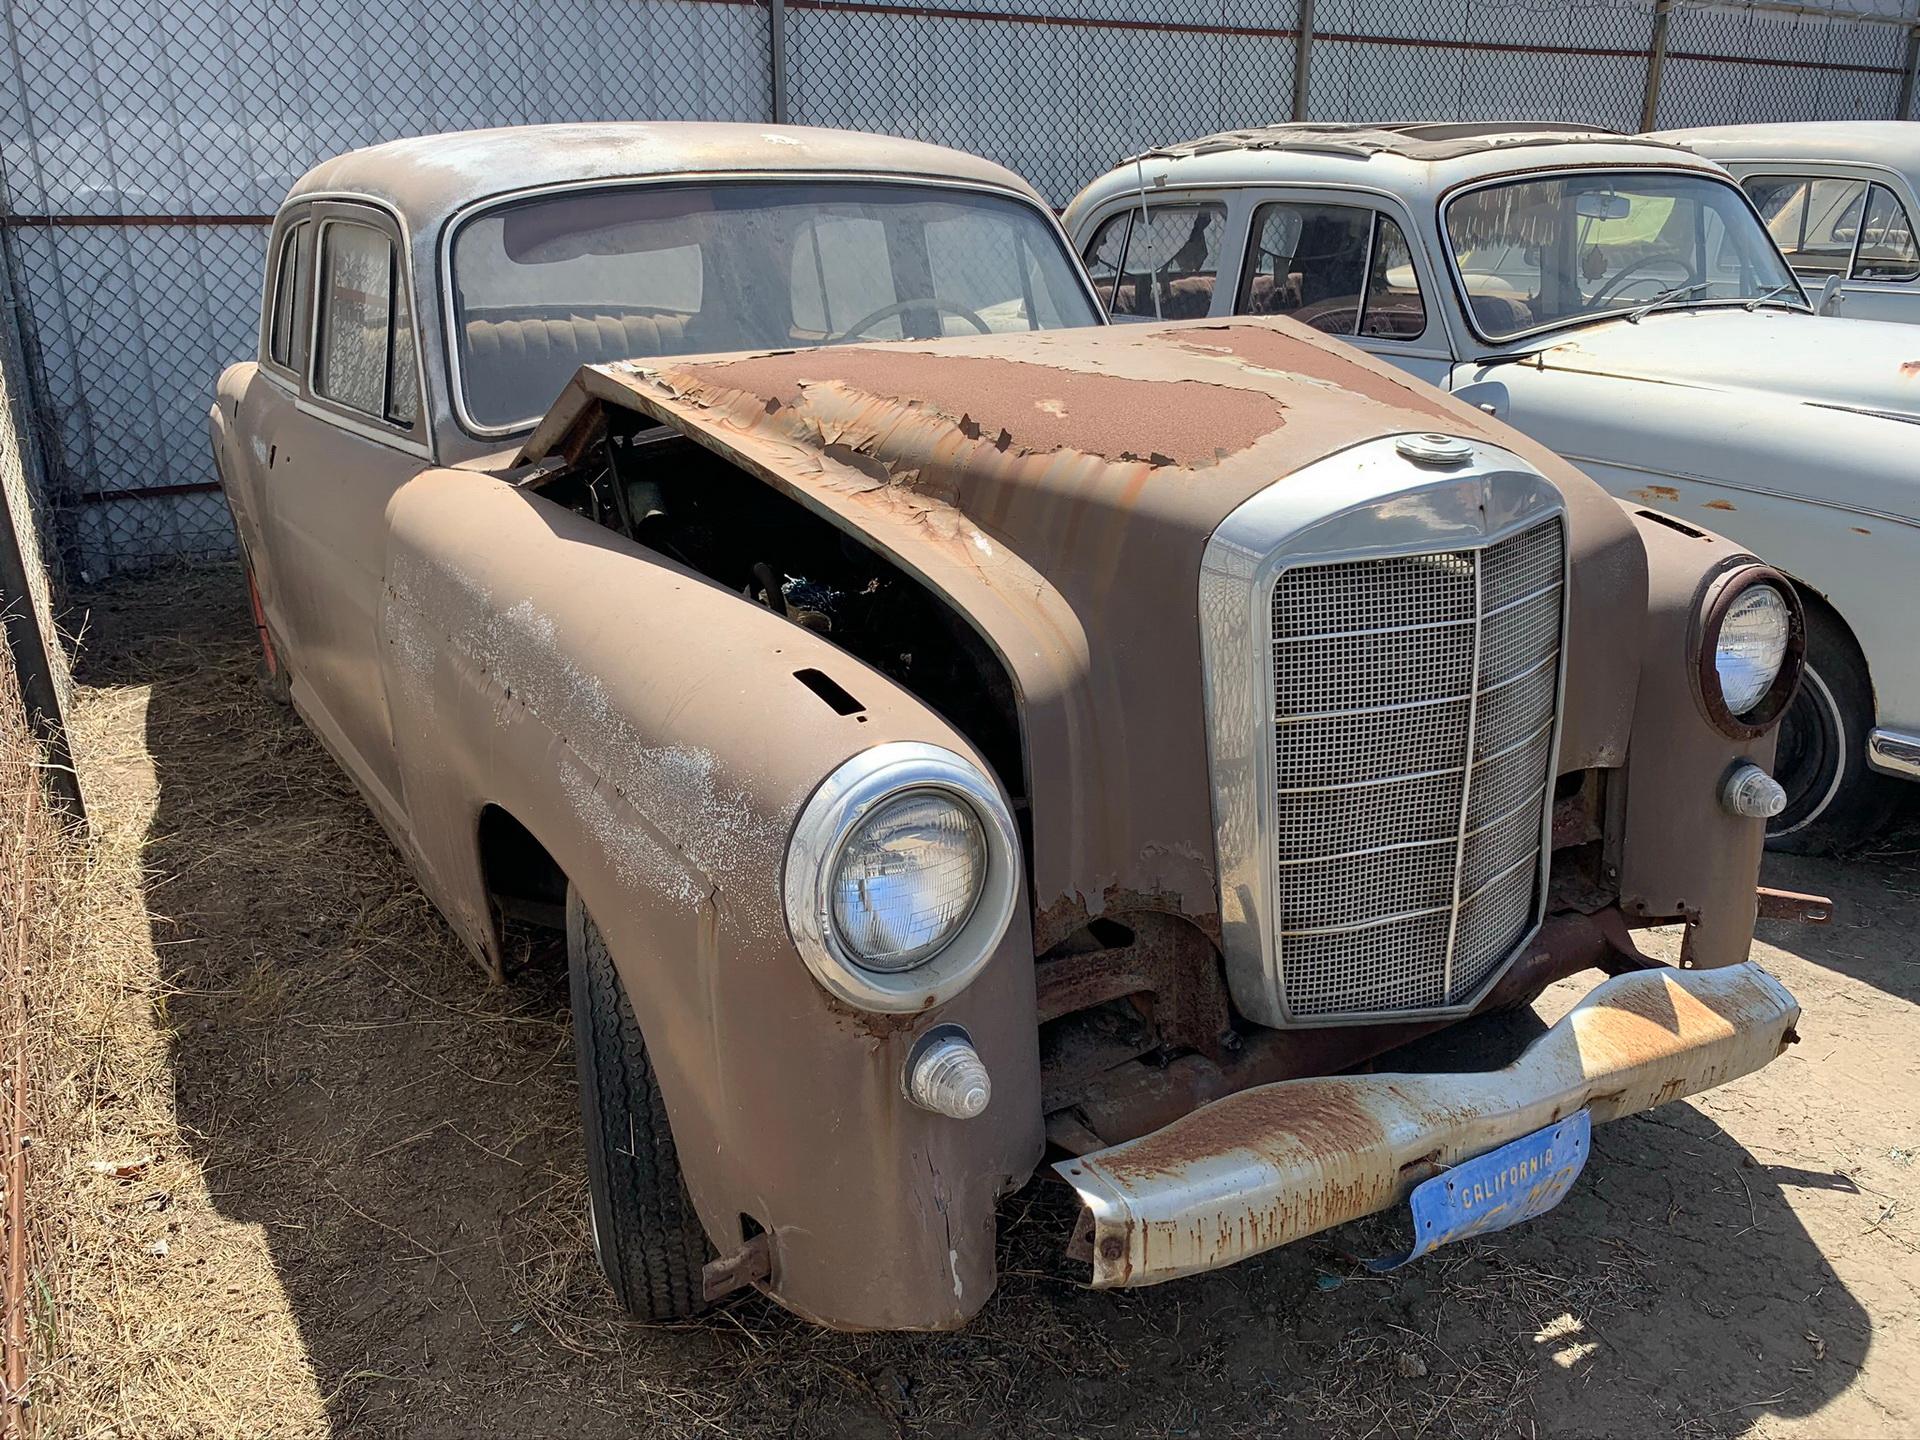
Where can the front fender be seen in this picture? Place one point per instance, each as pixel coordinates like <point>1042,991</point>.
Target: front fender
<point>1829,496</point>
<point>647,727</point>
<point>1682,853</point>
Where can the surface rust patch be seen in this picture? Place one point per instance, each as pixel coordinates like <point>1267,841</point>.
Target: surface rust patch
<point>1026,407</point>
<point>1328,1121</point>
<point>1274,349</point>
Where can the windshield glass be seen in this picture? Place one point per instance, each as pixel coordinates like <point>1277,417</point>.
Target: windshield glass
<point>1538,253</point>
<point>545,285</point>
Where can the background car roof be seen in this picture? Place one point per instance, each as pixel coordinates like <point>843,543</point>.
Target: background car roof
<point>1893,143</point>
<point>428,177</point>
<point>1410,158</point>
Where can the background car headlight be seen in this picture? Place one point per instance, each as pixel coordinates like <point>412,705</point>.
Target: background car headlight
<point>907,878</point>
<point>901,877</point>
<point>1752,640</point>
<point>1751,646</point>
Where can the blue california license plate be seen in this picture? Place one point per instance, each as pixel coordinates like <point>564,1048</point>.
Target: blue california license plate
<point>1522,1179</point>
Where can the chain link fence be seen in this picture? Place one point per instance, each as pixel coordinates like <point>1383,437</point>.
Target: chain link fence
<point>145,143</point>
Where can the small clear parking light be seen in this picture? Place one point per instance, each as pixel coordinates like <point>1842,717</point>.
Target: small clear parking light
<point>1750,792</point>
<point>946,1075</point>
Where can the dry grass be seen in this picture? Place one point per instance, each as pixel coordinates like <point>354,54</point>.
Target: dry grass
<point>38,879</point>
<point>363,1164</point>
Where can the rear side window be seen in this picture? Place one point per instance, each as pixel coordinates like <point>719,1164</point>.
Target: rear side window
<point>1887,250</point>
<point>1813,219</point>
<point>290,283</point>
<point>1341,269</point>
<point>1160,265</point>
<point>366,357</point>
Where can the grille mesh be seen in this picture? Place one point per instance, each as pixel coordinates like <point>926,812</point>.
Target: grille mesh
<point>1412,739</point>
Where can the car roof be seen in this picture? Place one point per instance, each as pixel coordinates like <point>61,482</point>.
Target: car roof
<point>1411,157</point>
<point>1417,140</point>
<point>1894,143</point>
<point>429,177</point>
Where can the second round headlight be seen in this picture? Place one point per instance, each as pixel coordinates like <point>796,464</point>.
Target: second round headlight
<point>1751,646</point>
<point>907,879</point>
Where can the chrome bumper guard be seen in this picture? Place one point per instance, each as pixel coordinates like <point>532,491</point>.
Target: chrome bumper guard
<point>1278,1162</point>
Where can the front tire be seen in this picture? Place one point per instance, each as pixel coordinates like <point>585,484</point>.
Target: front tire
<point>649,1242</point>
<point>1834,800</point>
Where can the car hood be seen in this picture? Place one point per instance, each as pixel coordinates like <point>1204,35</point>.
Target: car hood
<point>1058,489</point>
<point>1863,365</point>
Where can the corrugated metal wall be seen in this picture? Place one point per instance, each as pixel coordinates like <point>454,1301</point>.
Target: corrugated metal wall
<point>146,141</point>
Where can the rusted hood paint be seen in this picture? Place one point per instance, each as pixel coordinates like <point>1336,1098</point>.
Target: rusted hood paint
<point>1059,488</point>
<point>1273,1164</point>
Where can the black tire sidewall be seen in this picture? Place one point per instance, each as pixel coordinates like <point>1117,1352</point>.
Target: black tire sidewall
<point>1841,800</point>
<point>646,1237</point>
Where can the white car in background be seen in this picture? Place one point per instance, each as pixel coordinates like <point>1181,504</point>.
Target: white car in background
<point>1619,300</point>
<point>1838,197</point>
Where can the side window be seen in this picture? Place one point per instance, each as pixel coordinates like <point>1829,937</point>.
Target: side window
<point>1171,262</point>
<point>1310,262</point>
<point>1887,250</point>
<point>365,359</point>
<point>842,273</point>
<point>290,283</point>
<point>1106,252</point>
<point>1394,309</point>
<point>1812,219</point>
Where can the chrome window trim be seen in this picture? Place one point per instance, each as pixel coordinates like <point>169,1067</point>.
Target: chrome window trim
<point>1367,502</point>
<point>476,209</point>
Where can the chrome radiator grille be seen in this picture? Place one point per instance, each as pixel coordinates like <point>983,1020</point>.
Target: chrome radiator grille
<point>1413,725</point>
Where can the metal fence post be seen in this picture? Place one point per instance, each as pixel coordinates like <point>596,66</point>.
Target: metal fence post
<point>1656,62</point>
<point>1302,59</point>
<point>1905,107</point>
<point>777,57</point>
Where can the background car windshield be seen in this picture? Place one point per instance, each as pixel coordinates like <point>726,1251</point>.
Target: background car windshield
<point>1538,253</point>
<point>547,285</point>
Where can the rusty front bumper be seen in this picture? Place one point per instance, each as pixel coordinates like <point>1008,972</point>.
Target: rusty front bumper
<point>1278,1162</point>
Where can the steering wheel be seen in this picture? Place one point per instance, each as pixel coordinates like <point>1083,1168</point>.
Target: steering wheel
<point>1617,281</point>
<point>900,307</point>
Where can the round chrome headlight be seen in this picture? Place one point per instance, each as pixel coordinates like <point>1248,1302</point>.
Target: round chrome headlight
<point>901,877</point>
<point>1751,646</point>
<point>907,878</point>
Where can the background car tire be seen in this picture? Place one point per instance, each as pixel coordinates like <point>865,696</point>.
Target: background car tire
<point>1834,800</point>
<point>649,1242</point>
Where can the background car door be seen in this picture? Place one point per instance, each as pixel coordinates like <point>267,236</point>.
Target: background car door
<point>1344,269</point>
<point>357,433</point>
<point>1850,239</point>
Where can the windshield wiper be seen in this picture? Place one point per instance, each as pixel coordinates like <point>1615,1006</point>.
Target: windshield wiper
<point>1679,292</point>
<point>1765,295</point>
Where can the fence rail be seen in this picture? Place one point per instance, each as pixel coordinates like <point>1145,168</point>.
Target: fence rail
<point>145,143</point>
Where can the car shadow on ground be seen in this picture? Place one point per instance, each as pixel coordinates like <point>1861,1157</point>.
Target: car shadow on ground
<point>1872,937</point>
<point>405,1135</point>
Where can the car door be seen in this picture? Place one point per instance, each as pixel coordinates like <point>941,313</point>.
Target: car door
<point>1849,236</point>
<point>356,432</point>
<point>1342,263</point>
<point>268,406</point>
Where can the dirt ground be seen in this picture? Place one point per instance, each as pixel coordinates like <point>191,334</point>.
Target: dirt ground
<point>351,1194</point>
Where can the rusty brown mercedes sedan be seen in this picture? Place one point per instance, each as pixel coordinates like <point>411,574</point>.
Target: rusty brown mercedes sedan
<point>1022,739</point>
